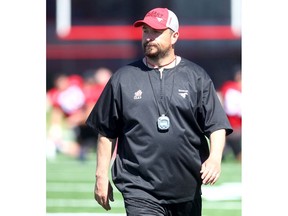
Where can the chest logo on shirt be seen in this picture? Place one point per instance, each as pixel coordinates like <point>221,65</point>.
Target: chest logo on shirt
<point>183,93</point>
<point>138,95</point>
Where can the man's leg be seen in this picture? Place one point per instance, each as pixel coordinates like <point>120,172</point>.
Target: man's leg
<point>143,207</point>
<point>191,208</point>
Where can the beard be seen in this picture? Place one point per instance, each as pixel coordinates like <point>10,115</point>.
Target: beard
<point>153,51</point>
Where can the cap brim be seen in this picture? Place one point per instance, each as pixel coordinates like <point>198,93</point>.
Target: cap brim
<point>150,23</point>
<point>138,23</point>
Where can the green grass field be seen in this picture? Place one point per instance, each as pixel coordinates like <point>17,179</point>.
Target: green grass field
<point>70,185</point>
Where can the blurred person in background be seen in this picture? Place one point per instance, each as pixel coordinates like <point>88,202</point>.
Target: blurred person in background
<point>69,103</point>
<point>65,111</point>
<point>230,94</point>
<point>94,83</point>
<point>161,109</point>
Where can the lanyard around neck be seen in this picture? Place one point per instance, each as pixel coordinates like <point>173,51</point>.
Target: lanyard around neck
<point>160,66</point>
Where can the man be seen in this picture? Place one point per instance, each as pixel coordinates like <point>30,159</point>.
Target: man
<point>160,109</point>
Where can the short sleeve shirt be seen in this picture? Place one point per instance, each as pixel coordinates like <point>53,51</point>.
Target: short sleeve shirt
<point>150,163</point>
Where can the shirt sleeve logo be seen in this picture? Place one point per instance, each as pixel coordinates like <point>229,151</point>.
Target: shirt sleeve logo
<point>183,93</point>
<point>138,95</point>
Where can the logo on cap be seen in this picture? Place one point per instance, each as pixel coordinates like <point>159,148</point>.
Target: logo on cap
<point>160,18</point>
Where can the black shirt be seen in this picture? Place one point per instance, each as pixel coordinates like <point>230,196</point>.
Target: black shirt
<point>153,164</point>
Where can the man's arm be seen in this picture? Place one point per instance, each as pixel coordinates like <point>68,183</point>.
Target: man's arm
<point>103,191</point>
<point>211,168</point>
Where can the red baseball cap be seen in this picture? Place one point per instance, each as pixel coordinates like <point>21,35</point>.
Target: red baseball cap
<point>160,18</point>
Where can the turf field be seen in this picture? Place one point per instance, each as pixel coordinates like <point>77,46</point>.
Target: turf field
<point>70,185</point>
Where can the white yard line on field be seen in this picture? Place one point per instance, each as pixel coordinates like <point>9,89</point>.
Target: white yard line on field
<point>223,192</point>
<point>71,203</point>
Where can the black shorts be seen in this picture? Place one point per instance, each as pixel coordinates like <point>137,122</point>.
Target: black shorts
<point>144,207</point>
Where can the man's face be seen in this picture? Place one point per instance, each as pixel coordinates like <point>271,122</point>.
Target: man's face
<point>156,43</point>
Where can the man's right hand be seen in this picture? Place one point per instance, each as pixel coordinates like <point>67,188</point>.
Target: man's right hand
<point>103,192</point>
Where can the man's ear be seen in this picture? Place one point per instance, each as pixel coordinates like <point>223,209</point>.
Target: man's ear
<point>174,37</point>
